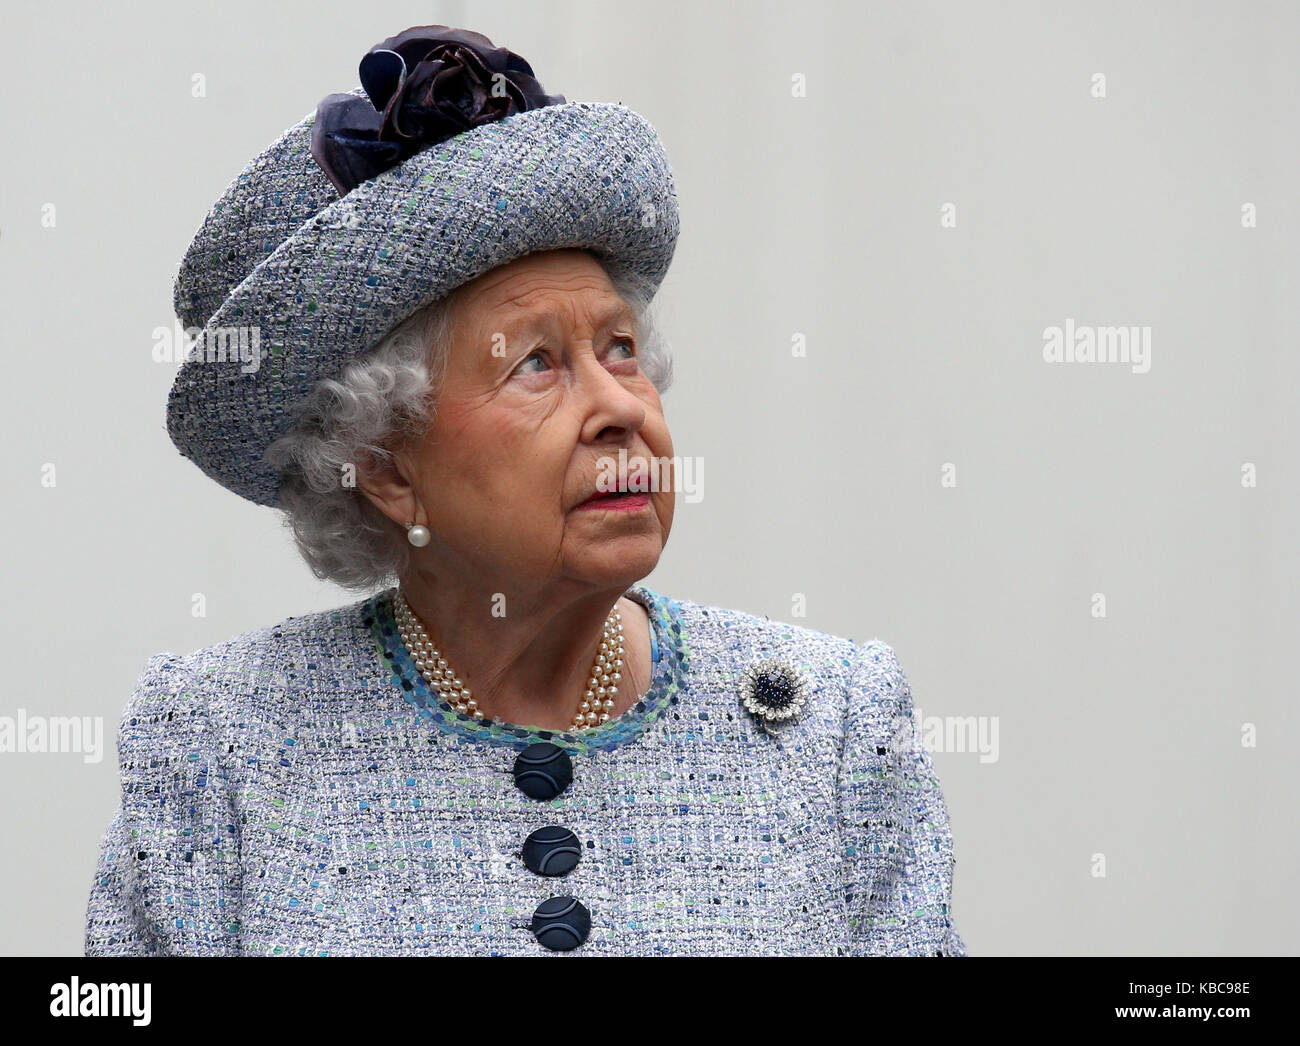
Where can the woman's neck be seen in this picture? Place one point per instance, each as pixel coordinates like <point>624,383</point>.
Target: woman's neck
<point>527,660</point>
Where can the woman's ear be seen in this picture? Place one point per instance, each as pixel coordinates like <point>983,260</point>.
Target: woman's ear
<point>385,481</point>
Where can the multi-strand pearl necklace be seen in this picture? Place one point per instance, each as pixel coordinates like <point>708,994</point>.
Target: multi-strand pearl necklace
<point>597,705</point>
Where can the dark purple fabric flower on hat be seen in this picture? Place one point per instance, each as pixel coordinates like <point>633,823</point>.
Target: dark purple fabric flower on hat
<point>424,85</point>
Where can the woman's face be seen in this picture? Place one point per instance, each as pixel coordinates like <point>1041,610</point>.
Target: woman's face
<point>542,389</point>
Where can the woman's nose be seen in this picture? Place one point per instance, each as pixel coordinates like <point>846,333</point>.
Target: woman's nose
<point>613,411</point>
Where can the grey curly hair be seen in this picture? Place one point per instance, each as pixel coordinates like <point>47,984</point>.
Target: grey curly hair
<point>382,399</point>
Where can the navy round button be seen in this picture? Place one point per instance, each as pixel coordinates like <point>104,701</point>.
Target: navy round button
<point>561,923</point>
<point>543,770</point>
<point>552,850</point>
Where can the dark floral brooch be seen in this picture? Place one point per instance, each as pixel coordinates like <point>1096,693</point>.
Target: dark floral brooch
<point>773,691</point>
<point>423,86</point>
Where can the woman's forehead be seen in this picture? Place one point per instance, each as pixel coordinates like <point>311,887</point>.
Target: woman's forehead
<point>520,303</point>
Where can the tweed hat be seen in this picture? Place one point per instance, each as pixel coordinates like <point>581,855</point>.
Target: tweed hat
<point>289,278</point>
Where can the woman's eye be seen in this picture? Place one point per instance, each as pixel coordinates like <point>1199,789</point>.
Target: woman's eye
<point>532,357</point>
<point>627,345</point>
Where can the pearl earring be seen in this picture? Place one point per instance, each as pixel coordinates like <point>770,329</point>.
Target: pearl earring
<point>417,535</point>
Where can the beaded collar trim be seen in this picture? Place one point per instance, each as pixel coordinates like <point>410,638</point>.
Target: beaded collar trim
<point>667,680</point>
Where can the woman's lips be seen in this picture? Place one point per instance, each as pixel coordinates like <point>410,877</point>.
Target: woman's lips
<point>617,502</point>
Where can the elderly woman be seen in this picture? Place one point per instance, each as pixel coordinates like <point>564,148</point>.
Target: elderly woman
<point>516,748</point>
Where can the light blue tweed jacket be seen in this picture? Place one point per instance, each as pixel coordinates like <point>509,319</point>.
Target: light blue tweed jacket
<point>298,790</point>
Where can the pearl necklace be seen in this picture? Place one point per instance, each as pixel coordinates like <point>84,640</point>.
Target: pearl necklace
<point>597,703</point>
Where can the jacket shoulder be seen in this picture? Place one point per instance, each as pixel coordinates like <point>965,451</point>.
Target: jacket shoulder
<point>863,674</point>
<point>737,634</point>
<point>271,648</point>
<point>257,674</point>
<point>724,641</point>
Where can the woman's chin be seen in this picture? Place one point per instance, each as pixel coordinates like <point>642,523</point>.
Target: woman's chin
<point>621,562</point>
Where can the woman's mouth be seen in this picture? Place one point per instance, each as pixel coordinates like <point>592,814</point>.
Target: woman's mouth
<point>617,501</point>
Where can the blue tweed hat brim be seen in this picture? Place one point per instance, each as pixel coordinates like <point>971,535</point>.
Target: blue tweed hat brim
<point>322,279</point>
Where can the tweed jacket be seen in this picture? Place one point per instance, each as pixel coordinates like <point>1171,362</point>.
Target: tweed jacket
<point>300,790</point>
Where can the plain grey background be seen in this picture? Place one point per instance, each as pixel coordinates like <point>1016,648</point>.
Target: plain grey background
<point>817,215</point>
